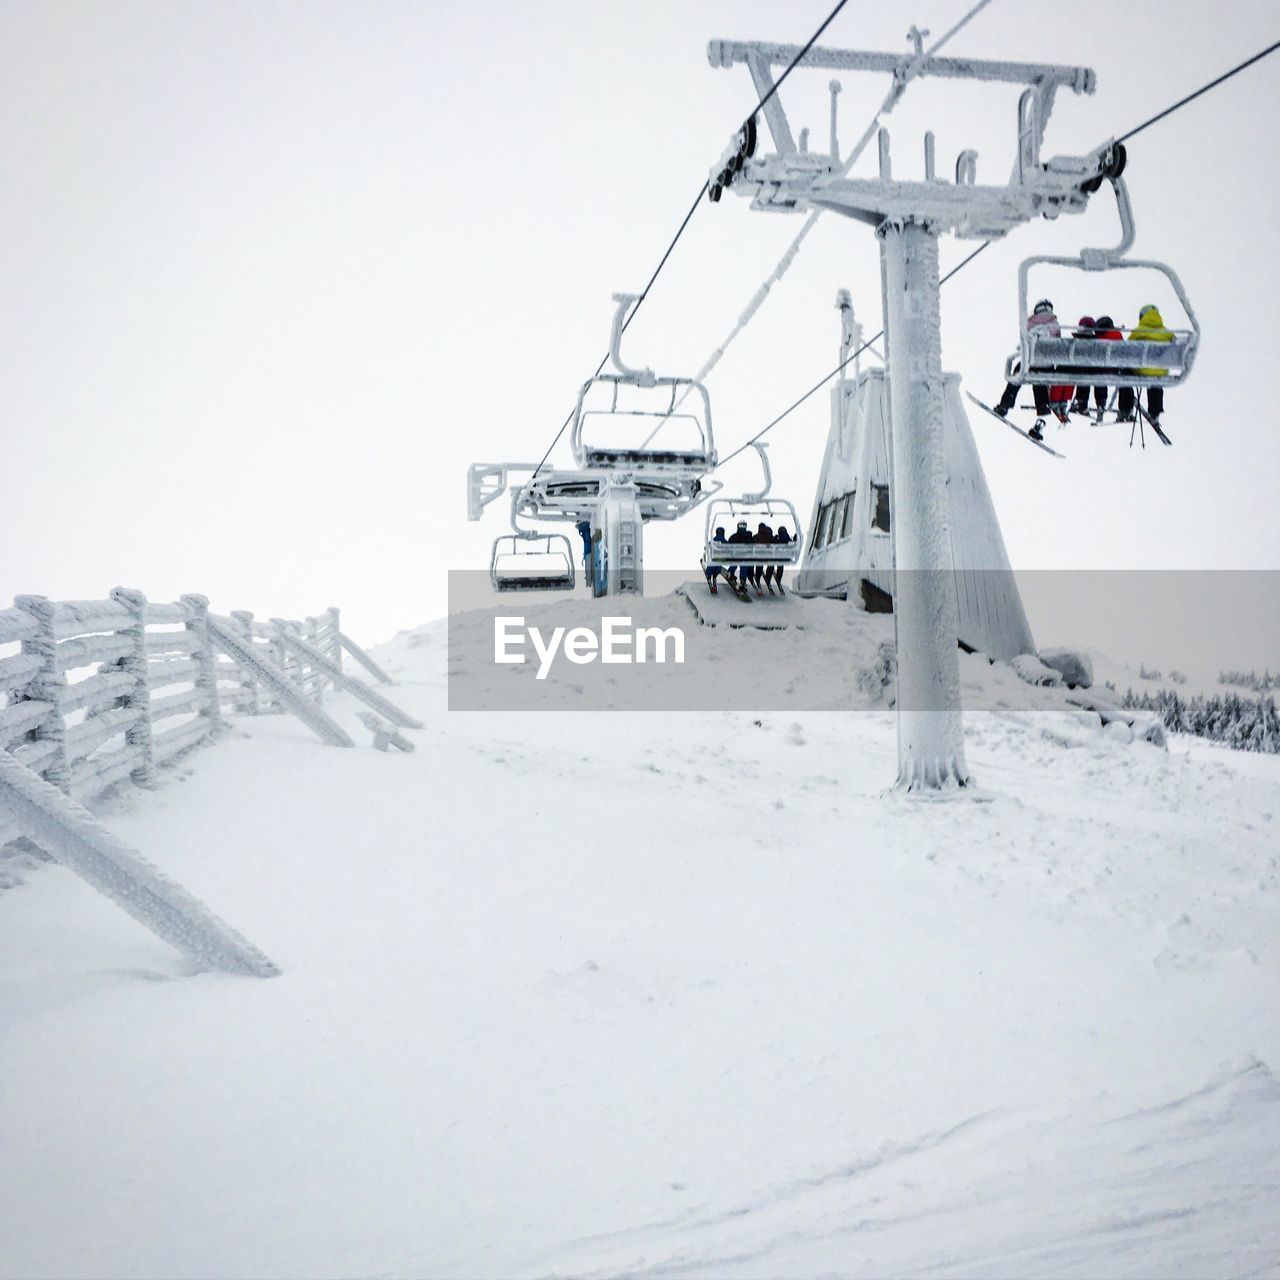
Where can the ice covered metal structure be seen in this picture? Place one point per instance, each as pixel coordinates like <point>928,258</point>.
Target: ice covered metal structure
<point>909,215</point>
<point>623,478</point>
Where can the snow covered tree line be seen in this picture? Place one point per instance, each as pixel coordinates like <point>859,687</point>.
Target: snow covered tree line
<point>1247,724</point>
<point>1250,680</point>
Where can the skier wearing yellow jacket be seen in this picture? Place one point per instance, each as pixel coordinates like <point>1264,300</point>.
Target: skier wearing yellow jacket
<point>1150,329</point>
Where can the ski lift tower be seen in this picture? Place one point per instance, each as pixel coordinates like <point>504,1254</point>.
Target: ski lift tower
<point>908,216</point>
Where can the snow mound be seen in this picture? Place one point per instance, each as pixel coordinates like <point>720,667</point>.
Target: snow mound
<point>1073,665</point>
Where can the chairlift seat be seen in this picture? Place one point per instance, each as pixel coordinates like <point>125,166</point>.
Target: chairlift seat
<point>1106,363</point>
<point>532,562</point>
<point>643,459</point>
<point>504,582</point>
<point>753,552</point>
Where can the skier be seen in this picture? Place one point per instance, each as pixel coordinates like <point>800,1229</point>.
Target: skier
<point>584,529</point>
<point>1150,329</point>
<point>1104,329</point>
<point>746,572</point>
<point>782,536</point>
<point>763,573</point>
<point>1041,315</point>
<point>713,571</point>
<point>1087,329</point>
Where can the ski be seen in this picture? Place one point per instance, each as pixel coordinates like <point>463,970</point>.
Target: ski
<point>1039,444</point>
<point>1155,426</point>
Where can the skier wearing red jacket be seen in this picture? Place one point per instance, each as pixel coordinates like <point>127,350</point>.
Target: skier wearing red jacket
<point>1102,329</point>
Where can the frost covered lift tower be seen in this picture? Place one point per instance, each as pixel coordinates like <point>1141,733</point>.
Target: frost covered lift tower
<point>909,215</point>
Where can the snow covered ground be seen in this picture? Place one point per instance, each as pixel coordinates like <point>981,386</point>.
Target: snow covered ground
<point>662,994</point>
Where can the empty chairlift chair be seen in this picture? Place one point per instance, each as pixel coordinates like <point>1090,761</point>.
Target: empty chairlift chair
<point>532,562</point>
<point>620,416</point>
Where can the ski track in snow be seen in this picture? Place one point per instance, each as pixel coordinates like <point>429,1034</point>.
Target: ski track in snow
<point>652,994</point>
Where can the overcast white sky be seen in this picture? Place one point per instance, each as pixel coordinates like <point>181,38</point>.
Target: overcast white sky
<point>274,273</point>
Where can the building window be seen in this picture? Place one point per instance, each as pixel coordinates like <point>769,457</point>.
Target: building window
<point>847,530</point>
<point>838,518</point>
<point>815,529</point>
<point>880,507</point>
<point>824,526</point>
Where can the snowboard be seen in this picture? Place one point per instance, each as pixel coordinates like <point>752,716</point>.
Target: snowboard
<point>1039,444</point>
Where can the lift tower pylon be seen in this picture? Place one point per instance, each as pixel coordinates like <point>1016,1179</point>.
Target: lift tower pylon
<point>909,216</point>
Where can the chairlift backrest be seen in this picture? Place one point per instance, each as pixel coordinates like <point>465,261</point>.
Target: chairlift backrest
<point>610,432</point>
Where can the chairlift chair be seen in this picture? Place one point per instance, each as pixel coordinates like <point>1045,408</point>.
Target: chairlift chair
<point>1051,361</point>
<point>775,512</point>
<point>600,403</point>
<point>753,508</point>
<point>532,562</point>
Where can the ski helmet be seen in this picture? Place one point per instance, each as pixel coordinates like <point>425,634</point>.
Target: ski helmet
<point>1086,322</point>
<point>1041,307</point>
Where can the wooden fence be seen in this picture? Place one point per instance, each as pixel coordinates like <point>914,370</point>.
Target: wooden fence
<point>94,692</point>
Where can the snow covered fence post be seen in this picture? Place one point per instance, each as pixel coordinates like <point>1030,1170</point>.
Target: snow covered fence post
<point>197,607</point>
<point>72,836</point>
<point>312,632</point>
<point>241,650</point>
<point>138,698</point>
<point>295,661</point>
<point>363,659</point>
<point>926,615</point>
<point>48,684</point>
<point>358,688</point>
<point>335,638</point>
<point>247,697</point>
<point>280,656</point>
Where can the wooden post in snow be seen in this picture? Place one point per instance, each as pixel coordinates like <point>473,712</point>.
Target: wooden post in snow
<point>197,607</point>
<point>138,696</point>
<point>47,685</point>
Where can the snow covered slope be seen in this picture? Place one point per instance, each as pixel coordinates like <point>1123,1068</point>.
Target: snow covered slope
<point>587,994</point>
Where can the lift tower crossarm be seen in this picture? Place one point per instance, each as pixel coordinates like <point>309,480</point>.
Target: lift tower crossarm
<point>724,53</point>
<point>788,180</point>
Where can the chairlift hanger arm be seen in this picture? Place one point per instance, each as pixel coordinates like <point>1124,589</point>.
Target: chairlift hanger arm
<point>641,377</point>
<point>763,450</point>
